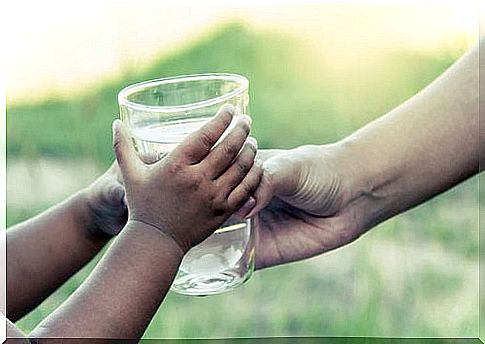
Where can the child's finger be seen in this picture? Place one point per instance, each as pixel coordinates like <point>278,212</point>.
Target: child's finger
<point>128,160</point>
<point>245,189</point>
<point>198,144</point>
<point>263,194</point>
<point>246,208</point>
<point>240,166</point>
<point>275,178</point>
<point>221,157</point>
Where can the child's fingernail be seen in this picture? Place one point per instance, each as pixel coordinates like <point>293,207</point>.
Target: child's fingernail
<point>229,108</point>
<point>246,118</point>
<point>247,207</point>
<point>252,141</point>
<point>251,213</point>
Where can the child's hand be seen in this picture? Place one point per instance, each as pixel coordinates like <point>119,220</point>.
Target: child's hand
<point>107,213</point>
<point>195,188</point>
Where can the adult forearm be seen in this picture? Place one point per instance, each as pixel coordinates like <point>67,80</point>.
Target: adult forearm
<point>421,148</point>
<point>43,252</point>
<point>123,292</point>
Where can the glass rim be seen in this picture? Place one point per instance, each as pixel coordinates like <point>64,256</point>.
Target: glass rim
<point>125,92</point>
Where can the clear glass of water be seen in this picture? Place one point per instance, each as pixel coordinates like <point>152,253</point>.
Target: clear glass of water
<point>160,114</point>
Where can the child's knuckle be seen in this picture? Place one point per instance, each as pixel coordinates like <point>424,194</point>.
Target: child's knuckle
<point>246,188</point>
<point>219,209</point>
<point>175,167</point>
<point>243,165</point>
<point>230,148</point>
<point>205,138</point>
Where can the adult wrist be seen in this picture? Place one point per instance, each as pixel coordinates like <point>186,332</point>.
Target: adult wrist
<point>362,200</point>
<point>370,183</point>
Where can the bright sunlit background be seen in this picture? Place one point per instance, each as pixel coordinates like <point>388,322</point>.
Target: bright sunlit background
<point>317,72</point>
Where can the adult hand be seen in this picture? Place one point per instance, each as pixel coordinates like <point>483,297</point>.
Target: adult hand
<point>314,199</point>
<point>306,204</point>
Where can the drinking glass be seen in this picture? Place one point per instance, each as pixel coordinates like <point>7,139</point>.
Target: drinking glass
<point>160,114</point>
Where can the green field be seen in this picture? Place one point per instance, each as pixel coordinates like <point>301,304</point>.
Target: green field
<point>416,275</point>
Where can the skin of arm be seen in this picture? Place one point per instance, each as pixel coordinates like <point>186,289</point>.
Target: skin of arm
<point>313,199</point>
<point>173,205</point>
<point>422,148</point>
<point>123,292</point>
<point>43,252</point>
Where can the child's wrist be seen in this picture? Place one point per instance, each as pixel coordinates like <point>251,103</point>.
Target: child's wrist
<point>168,239</point>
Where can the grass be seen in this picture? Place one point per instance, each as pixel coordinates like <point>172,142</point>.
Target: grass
<point>411,276</point>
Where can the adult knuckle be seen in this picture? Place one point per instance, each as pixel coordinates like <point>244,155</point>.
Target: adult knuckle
<point>269,176</point>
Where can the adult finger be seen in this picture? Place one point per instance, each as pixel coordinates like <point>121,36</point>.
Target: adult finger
<point>265,154</point>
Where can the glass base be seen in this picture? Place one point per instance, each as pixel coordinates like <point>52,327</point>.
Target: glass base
<point>222,262</point>
<point>202,285</point>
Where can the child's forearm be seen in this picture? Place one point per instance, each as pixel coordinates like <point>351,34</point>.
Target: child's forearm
<point>43,252</point>
<point>123,291</point>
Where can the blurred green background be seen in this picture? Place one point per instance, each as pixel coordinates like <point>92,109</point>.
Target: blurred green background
<point>416,275</point>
